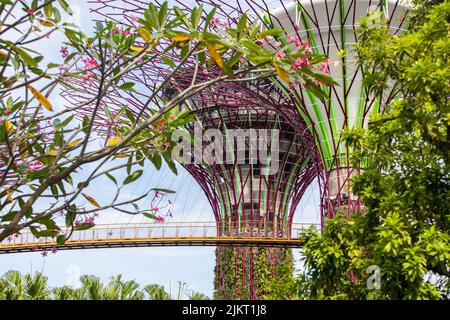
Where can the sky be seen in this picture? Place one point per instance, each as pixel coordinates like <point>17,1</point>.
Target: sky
<point>165,266</point>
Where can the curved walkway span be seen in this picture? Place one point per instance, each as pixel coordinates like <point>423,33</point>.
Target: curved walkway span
<point>152,234</point>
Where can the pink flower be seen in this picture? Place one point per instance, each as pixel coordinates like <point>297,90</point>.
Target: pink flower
<point>34,166</point>
<point>269,38</point>
<point>62,68</point>
<point>89,221</point>
<point>64,52</point>
<point>34,249</point>
<point>117,31</point>
<point>109,123</point>
<point>155,209</point>
<point>278,43</point>
<point>7,112</point>
<point>294,39</point>
<point>44,253</point>
<point>160,219</point>
<point>324,67</point>
<point>280,55</point>
<point>126,33</point>
<point>135,19</point>
<point>300,62</point>
<point>353,277</point>
<point>214,22</point>
<point>307,47</point>
<point>30,11</point>
<point>90,63</point>
<point>54,250</point>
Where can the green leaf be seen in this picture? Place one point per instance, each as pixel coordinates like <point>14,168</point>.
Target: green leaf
<point>84,226</point>
<point>111,178</point>
<point>48,9</point>
<point>65,6</point>
<point>60,240</point>
<point>150,215</point>
<point>271,32</point>
<point>167,157</point>
<point>25,57</point>
<point>168,61</point>
<point>163,190</point>
<point>133,177</point>
<point>241,25</point>
<point>127,86</point>
<point>156,160</point>
<point>70,216</point>
<point>210,16</point>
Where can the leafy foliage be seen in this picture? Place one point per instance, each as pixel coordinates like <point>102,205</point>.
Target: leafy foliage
<point>404,227</point>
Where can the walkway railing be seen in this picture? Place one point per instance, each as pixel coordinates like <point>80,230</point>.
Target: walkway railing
<point>155,234</point>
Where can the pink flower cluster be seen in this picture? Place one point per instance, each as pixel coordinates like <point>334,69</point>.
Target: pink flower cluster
<point>160,219</point>
<point>87,220</point>
<point>90,63</point>
<point>44,252</point>
<point>325,67</point>
<point>34,166</point>
<point>163,210</point>
<point>64,52</point>
<point>216,22</point>
<point>126,33</point>
<point>300,62</point>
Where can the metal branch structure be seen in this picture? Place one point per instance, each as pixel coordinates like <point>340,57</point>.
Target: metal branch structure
<point>244,200</point>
